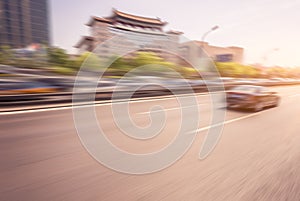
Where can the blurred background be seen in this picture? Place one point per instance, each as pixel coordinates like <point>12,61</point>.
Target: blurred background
<point>30,63</point>
<point>233,53</point>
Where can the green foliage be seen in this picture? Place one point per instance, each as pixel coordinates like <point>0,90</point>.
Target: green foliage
<point>6,55</point>
<point>239,70</point>
<point>231,69</point>
<point>69,66</point>
<point>57,56</point>
<point>25,62</point>
<point>189,72</point>
<point>62,70</point>
<point>60,62</point>
<point>146,58</point>
<point>120,66</point>
<point>147,63</point>
<point>88,60</point>
<point>277,72</point>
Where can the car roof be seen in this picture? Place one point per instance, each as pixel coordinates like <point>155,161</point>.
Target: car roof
<point>249,86</point>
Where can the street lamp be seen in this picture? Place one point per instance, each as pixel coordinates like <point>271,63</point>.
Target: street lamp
<point>204,36</point>
<point>202,59</point>
<point>206,33</point>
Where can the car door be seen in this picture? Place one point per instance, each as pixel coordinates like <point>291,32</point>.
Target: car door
<point>268,97</point>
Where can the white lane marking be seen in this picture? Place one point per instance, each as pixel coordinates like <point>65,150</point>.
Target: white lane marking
<point>174,108</point>
<point>97,104</point>
<point>227,122</point>
<point>35,110</point>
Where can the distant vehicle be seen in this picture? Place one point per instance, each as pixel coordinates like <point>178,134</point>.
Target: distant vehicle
<point>196,83</point>
<point>215,82</point>
<point>28,88</point>
<point>228,79</point>
<point>245,82</point>
<point>252,97</point>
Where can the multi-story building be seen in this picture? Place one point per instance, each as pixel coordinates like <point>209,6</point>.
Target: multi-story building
<point>193,50</point>
<point>23,22</point>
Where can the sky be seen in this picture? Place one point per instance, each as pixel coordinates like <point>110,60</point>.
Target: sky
<point>268,30</point>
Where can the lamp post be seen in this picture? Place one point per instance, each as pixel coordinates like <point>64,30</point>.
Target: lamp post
<point>204,36</point>
<point>202,59</point>
<point>206,33</point>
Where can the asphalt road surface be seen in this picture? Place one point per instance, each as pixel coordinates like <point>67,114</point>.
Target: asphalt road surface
<point>257,157</point>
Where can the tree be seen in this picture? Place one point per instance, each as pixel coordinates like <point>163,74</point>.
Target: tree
<point>146,58</point>
<point>57,56</point>
<point>88,60</point>
<point>120,65</point>
<point>151,63</point>
<point>6,55</point>
<point>232,69</point>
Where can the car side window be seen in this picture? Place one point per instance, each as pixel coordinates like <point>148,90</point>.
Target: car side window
<point>257,90</point>
<point>264,91</point>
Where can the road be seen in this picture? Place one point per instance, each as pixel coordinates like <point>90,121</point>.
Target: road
<point>257,157</point>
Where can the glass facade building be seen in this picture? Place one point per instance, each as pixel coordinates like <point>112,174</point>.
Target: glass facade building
<point>23,22</point>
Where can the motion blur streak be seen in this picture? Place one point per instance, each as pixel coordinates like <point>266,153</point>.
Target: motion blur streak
<point>42,158</point>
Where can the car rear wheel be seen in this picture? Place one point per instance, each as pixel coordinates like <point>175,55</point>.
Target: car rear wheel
<point>276,102</point>
<point>258,107</point>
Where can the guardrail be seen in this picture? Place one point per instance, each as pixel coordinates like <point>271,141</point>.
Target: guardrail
<point>17,100</point>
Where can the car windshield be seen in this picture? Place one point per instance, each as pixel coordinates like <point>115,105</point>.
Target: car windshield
<point>246,89</point>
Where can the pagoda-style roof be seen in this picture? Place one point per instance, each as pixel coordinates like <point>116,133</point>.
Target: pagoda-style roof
<point>117,15</point>
<point>99,19</point>
<point>83,40</point>
<point>174,32</point>
<point>128,16</point>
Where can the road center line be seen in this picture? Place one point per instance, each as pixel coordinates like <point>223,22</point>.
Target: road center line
<point>227,122</point>
<point>174,108</point>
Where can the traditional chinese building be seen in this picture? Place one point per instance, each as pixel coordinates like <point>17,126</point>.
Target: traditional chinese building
<point>123,31</point>
<point>143,33</point>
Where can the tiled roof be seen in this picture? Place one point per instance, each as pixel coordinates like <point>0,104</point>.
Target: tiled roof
<point>174,32</point>
<point>83,39</point>
<point>100,19</point>
<point>116,13</point>
<point>139,18</point>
